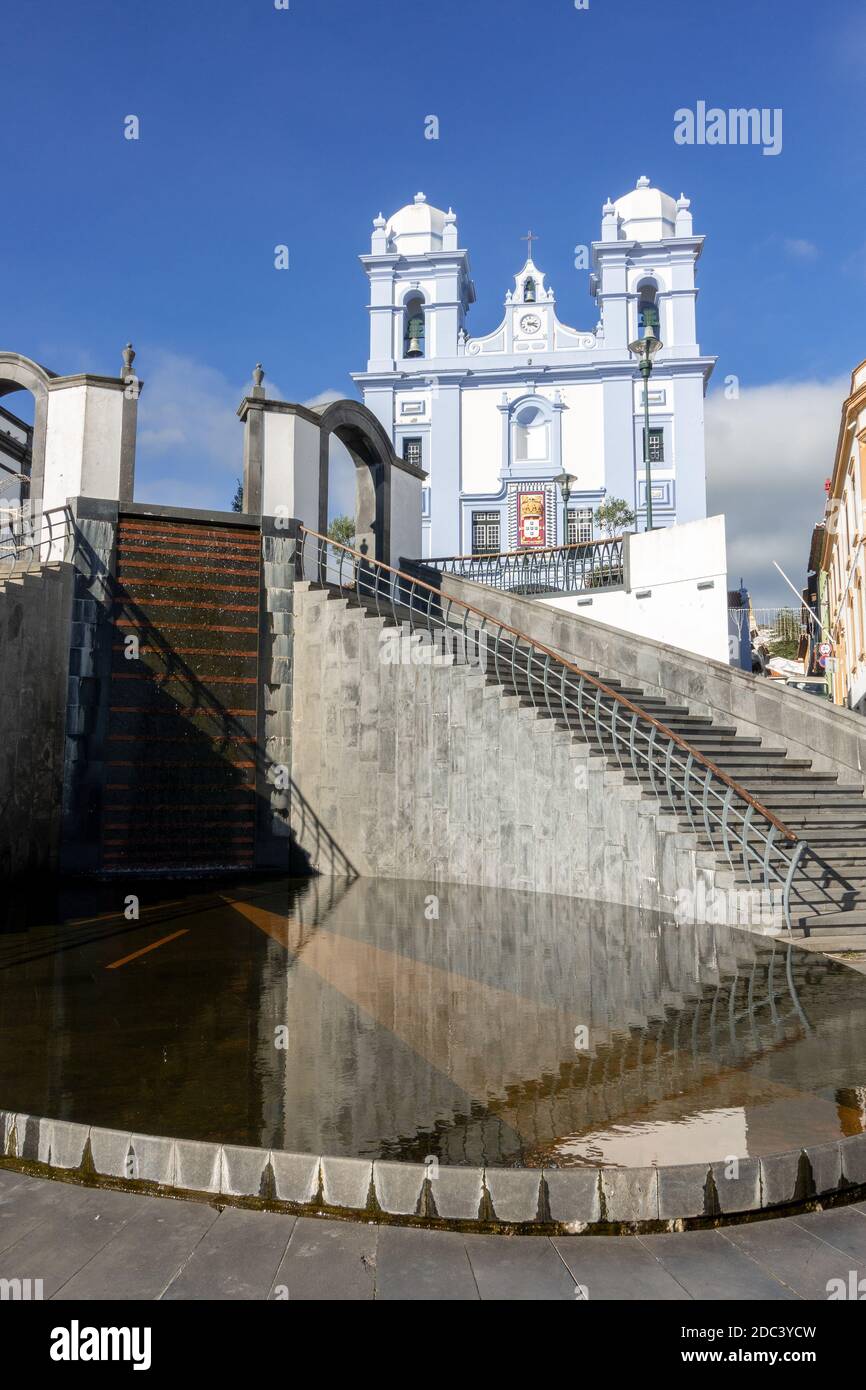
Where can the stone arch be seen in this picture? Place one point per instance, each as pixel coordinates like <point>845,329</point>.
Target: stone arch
<point>19,373</point>
<point>367,442</point>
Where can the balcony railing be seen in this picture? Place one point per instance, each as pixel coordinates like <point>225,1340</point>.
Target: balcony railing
<point>560,569</point>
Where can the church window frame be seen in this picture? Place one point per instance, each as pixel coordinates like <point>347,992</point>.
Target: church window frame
<point>486,533</point>
<point>413,450</point>
<point>580,526</point>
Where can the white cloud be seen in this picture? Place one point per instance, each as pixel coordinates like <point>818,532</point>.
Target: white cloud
<point>186,417</point>
<point>768,454</point>
<point>800,249</point>
<point>190,441</point>
<point>325,398</point>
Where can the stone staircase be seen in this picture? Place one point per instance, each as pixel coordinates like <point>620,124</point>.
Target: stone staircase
<point>816,805</point>
<point>829,814</point>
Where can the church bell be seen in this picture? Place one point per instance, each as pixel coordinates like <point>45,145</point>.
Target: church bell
<point>415,336</point>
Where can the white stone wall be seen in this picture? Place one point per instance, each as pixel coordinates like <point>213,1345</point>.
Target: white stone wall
<point>675,566</point>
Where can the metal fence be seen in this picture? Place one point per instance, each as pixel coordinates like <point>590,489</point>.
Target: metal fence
<point>563,569</point>
<point>741,830</point>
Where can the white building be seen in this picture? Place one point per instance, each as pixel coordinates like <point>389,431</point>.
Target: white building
<point>495,418</point>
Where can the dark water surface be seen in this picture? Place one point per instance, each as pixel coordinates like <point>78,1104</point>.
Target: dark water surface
<point>352,1019</point>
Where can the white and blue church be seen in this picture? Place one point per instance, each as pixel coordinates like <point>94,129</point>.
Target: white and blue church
<point>495,418</point>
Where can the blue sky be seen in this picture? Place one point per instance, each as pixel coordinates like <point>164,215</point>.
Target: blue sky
<point>261,126</point>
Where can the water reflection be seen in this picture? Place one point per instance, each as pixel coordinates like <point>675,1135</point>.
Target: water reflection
<point>402,1020</point>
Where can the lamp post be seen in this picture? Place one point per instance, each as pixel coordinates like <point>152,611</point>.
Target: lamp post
<point>565,482</point>
<point>645,349</point>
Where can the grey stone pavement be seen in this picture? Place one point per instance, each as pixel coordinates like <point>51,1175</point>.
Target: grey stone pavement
<point>87,1243</point>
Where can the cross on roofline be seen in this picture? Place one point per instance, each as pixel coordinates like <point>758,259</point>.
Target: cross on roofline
<point>530,237</point>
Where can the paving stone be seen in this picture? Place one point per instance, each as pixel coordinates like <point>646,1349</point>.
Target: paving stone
<point>197,1166</point>
<point>779,1178</point>
<point>573,1195</point>
<point>618,1268</point>
<point>826,1161</point>
<point>854,1158</point>
<point>242,1170</point>
<point>67,1237</point>
<point>844,1228</point>
<point>709,1268</point>
<point>346,1182</point>
<point>631,1194</point>
<point>143,1258</point>
<point>61,1143</point>
<point>109,1149</point>
<point>682,1191</point>
<point>237,1258</point>
<point>329,1260</point>
<point>398,1187</point>
<point>738,1188</point>
<point>296,1176</point>
<point>792,1254</point>
<point>423,1265</point>
<point>514,1193</point>
<point>27,1204</point>
<point>518,1270</point>
<point>457,1192</point>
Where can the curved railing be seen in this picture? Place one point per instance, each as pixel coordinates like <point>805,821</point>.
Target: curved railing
<point>738,827</point>
<point>562,569</point>
<point>25,543</point>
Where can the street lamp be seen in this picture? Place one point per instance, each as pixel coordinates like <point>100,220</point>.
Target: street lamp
<point>645,349</point>
<point>565,482</point>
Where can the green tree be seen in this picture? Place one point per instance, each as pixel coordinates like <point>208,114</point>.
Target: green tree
<point>342,529</point>
<point>238,499</point>
<point>615,516</point>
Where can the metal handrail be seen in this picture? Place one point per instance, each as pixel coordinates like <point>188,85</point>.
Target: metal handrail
<point>57,525</point>
<point>735,822</point>
<point>550,569</point>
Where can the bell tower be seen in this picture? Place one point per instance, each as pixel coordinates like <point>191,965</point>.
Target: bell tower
<point>420,287</point>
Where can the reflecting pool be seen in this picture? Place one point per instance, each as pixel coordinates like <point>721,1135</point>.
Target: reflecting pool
<point>401,1019</point>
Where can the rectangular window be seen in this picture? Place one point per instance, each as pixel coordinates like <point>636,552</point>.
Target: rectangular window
<point>657,446</point>
<point>579,525</point>
<point>412,452</point>
<point>485,533</point>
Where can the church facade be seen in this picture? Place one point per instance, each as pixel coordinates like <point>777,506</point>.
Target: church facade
<point>494,419</point>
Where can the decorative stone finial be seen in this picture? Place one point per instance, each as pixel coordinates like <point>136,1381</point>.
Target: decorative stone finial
<point>420,197</point>
<point>379,223</point>
<point>683,202</point>
<point>128,359</point>
<point>643,182</point>
<point>450,217</point>
<point>258,374</point>
<point>608,208</point>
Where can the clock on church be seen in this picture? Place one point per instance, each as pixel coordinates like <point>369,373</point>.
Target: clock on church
<point>530,323</point>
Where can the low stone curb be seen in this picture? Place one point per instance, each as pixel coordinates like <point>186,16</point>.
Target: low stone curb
<point>571,1199</point>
